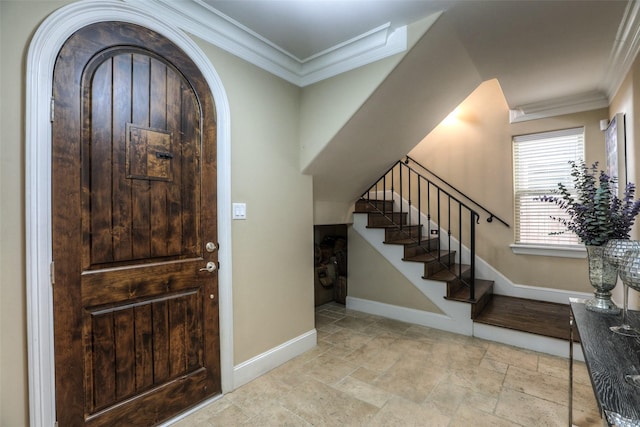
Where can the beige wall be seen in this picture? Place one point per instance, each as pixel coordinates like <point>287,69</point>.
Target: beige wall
<point>473,152</point>
<point>624,101</point>
<point>272,249</point>
<point>327,105</point>
<point>372,277</point>
<point>18,21</point>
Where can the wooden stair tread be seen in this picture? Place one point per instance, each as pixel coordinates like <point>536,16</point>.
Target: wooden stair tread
<point>544,318</point>
<point>391,225</point>
<point>427,257</point>
<point>408,241</point>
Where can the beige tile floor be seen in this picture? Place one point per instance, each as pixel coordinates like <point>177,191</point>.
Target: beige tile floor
<point>372,371</point>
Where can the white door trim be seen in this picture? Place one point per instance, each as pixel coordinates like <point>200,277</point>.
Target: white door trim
<point>44,47</point>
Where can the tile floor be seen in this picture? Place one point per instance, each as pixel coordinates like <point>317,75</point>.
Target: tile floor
<point>372,371</point>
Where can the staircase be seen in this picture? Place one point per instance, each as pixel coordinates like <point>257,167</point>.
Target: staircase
<point>439,264</point>
<point>445,259</point>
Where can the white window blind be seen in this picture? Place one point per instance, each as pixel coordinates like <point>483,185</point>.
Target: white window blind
<point>541,161</point>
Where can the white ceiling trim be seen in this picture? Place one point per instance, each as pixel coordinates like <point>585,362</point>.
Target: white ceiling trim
<point>202,20</point>
<point>559,106</point>
<point>623,52</point>
<point>625,48</point>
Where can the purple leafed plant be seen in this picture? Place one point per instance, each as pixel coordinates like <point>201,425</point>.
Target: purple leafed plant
<point>596,214</point>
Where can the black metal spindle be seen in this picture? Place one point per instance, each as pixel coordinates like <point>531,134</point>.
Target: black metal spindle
<point>419,214</point>
<point>401,193</point>
<point>460,240</point>
<point>439,227</point>
<point>408,198</point>
<point>429,213</point>
<point>449,223</point>
<point>384,194</point>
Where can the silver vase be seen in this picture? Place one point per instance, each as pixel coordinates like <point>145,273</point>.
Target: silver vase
<point>615,251</point>
<point>603,276</point>
<point>630,275</point>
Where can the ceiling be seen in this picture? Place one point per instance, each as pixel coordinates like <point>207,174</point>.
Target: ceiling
<point>547,55</point>
<point>550,57</point>
<point>305,28</point>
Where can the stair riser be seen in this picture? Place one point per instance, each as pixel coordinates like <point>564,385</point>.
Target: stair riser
<point>380,220</point>
<point>374,206</point>
<point>477,308</point>
<point>392,234</point>
<point>432,268</point>
<point>425,247</point>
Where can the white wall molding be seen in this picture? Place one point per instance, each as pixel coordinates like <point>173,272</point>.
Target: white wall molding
<point>484,270</point>
<point>202,20</point>
<point>264,362</point>
<point>559,106</point>
<point>625,49</point>
<point>457,316</point>
<point>623,53</point>
<point>411,315</point>
<point>45,45</point>
<point>554,346</point>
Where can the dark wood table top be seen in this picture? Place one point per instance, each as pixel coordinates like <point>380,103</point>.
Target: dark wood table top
<point>609,357</point>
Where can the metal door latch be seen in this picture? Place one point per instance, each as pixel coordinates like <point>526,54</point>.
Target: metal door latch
<point>164,155</point>
<point>210,267</point>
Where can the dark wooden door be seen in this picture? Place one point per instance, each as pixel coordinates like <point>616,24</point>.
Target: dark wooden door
<point>134,219</point>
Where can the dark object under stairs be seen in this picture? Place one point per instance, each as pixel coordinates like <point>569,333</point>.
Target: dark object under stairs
<point>536,317</point>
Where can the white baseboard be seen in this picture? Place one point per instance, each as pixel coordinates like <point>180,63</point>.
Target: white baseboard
<point>411,315</point>
<point>190,411</point>
<point>553,346</point>
<point>502,285</point>
<point>270,359</point>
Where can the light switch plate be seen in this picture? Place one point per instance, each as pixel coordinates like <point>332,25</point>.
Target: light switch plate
<point>239,211</point>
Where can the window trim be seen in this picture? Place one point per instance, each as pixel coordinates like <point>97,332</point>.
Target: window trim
<point>563,251</point>
<point>566,249</point>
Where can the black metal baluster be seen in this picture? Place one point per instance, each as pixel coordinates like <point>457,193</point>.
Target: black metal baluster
<point>438,225</point>
<point>419,213</point>
<point>472,285</point>
<point>401,194</point>
<point>460,242</point>
<point>409,199</point>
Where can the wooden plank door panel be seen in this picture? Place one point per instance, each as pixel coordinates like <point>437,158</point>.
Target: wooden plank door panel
<point>142,198</point>
<point>134,202</point>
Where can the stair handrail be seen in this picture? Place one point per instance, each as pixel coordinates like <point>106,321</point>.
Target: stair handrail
<point>473,215</point>
<point>491,216</point>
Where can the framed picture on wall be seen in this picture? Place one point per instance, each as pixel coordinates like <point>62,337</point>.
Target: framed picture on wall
<point>615,147</point>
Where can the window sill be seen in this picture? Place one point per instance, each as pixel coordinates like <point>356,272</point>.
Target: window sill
<point>549,250</point>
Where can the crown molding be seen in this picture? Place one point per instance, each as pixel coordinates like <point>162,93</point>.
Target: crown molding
<point>200,19</point>
<point>625,49</point>
<point>623,54</point>
<point>559,106</point>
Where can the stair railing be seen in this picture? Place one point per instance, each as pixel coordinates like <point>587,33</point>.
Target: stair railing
<point>442,209</point>
<point>491,216</point>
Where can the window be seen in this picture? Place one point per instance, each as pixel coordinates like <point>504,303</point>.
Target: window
<point>540,162</point>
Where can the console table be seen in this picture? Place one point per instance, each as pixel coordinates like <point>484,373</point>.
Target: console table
<point>609,357</point>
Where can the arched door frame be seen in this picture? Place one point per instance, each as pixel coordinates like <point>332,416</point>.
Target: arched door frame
<point>43,50</point>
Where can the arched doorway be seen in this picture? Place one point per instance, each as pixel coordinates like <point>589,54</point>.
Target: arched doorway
<point>44,47</point>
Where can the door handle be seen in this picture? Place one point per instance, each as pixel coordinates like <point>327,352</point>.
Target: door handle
<point>210,267</point>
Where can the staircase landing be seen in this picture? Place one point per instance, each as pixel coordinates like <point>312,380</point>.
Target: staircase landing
<point>543,318</point>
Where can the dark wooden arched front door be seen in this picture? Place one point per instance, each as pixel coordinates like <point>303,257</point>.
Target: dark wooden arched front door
<point>134,226</point>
